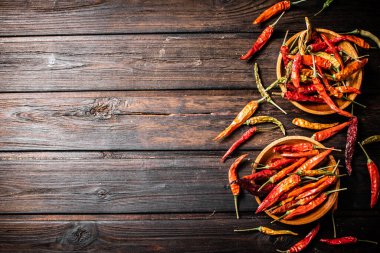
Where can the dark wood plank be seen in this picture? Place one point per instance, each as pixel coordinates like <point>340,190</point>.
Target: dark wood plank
<point>177,120</point>
<point>138,182</point>
<point>109,17</point>
<point>141,62</point>
<point>177,233</point>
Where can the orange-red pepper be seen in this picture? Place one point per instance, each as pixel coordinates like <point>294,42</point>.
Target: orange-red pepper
<point>314,161</point>
<point>232,177</point>
<point>327,133</point>
<point>348,70</point>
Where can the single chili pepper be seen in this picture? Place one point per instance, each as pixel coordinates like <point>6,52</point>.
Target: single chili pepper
<point>352,134</point>
<point>309,30</point>
<point>253,188</point>
<point>329,132</point>
<point>282,187</point>
<point>278,164</point>
<point>310,153</point>
<point>267,231</point>
<point>296,70</point>
<point>306,72</point>
<point>262,90</point>
<point>319,46</point>
<point>261,40</point>
<point>237,143</point>
<point>335,63</point>
<point>308,61</point>
<point>329,51</point>
<point>347,89</point>
<point>331,46</point>
<point>313,173</point>
<point>371,139</point>
<point>315,38</point>
<point>232,177</point>
<point>295,96</point>
<point>357,41</point>
<point>264,119</point>
<point>329,181</point>
<point>351,68</point>
<point>344,240</point>
<point>312,125</point>
<point>301,245</point>
<point>306,187</point>
<point>259,176</point>
<point>314,161</point>
<point>366,34</point>
<point>284,50</point>
<point>283,200</point>
<point>316,202</point>
<point>326,4</point>
<point>274,10</point>
<point>298,147</point>
<point>284,172</point>
<point>374,176</point>
<point>292,204</point>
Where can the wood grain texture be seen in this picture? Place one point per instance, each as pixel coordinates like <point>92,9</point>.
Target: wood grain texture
<point>176,234</point>
<point>176,120</point>
<point>118,16</point>
<point>138,182</point>
<point>142,62</point>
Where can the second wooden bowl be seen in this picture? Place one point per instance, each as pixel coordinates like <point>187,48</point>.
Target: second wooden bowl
<point>317,213</point>
<point>355,80</point>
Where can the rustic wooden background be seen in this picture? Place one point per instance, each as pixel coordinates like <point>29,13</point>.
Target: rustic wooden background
<point>108,109</point>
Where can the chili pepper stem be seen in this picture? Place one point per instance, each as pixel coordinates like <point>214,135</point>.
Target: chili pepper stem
<point>334,149</point>
<point>236,206</point>
<point>333,223</point>
<point>281,217</point>
<point>264,184</point>
<point>359,240</point>
<point>356,31</point>
<point>278,19</point>
<point>247,229</point>
<point>365,152</point>
<point>286,35</point>
<point>311,178</point>
<point>336,190</point>
<point>336,167</point>
<point>297,2</point>
<point>282,251</point>
<point>354,102</point>
<point>278,107</point>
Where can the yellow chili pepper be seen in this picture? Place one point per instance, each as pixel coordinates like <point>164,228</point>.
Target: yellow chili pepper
<point>267,231</point>
<point>312,125</point>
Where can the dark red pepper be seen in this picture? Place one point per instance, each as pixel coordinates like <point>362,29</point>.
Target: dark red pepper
<point>301,245</point>
<point>352,134</point>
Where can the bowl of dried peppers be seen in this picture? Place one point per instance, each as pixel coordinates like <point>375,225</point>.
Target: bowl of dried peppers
<point>324,70</point>
<point>306,184</point>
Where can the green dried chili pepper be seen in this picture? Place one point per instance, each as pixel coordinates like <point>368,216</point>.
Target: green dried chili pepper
<point>309,30</point>
<point>371,139</point>
<point>262,90</point>
<point>265,119</point>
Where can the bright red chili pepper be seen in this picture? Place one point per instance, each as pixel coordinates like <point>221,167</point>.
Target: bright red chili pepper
<point>298,147</point>
<point>327,133</point>
<point>330,51</point>
<point>304,89</point>
<point>348,70</point>
<point>374,176</point>
<point>306,187</point>
<point>278,163</point>
<point>344,240</point>
<point>237,143</point>
<point>261,40</point>
<point>295,76</point>
<point>284,50</point>
<point>313,152</point>
<point>319,61</point>
<point>232,177</point>
<point>329,181</point>
<point>259,176</point>
<point>314,161</point>
<point>253,188</point>
<point>301,245</point>
<point>319,46</point>
<point>332,48</point>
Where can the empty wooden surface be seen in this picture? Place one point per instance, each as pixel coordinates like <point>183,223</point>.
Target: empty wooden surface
<point>108,110</point>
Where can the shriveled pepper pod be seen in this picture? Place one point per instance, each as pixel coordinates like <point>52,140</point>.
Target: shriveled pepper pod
<point>267,231</point>
<point>312,125</point>
<point>301,245</point>
<point>329,132</point>
<point>240,141</point>
<point>344,240</point>
<point>274,10</point>
<point>265,119</point>
<point>366,34</point>
<point>232,177</point>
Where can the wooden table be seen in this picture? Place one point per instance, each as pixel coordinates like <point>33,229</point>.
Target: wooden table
<point>108,110</point>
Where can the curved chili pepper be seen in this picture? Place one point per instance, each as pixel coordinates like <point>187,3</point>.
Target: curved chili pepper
<point>367,34</point>
<point>357,41</point>
<point>375,178</point>
<point>344,240</point>
<point>313,152</point>
<point>232,177</point>
<point>306,187</point>
<point>284,186</point>
<point>295,76</point>
<point>274,10</point>
<point>327,133</point>
<point>301,245</point>
<point>308,61</point>
<point>352,134</point>
<point>292,204</point>
<point>240,141</point>
<point>278,164</point>
<point>335,63</point>
<point>261,40</point>
<point>259,176</point>
<point>284,172</point>
<point>347,89</point>
<point>314,161</point>
<point>350,69</point>
<point>329,181</point>
<point>331,46</point>
<point>267,231</point>
<point>264,119</point>
<point>312,125</point>
<point>329,51</point>
<point>239,120</point>
<point>371,139</point>
<point>295,96</point>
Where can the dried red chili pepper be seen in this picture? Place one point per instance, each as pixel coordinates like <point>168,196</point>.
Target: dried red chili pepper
<point>306,187</point>
<point>259,176</point>
<point>374,176</point>
<point>274,10</point>
<point>232,177</point>
<point>298,147</point>
<point>253,188</point>
<point>313,152</point>
<point>332,48</point>
<point>282,187</point>
<point>348,70</point>
<point>366,34</point>
<point>278,163</point>
<point>327,133</point>
<point>344,240</point>
<point>295,96</point>
<point>352,134</point>
<point>284,50</point>
<point>357,41</point>
<point>347,89</point>
<point>304,89</point>
<point>330,51</point>
<point>301,245</point>
<point>284,172</point>
<point>237,143</point>
<point>261,40</point>
<point>319,46</point>
<point>314,161</point>
<point>292,204</point>
<point>295,76</point>
<point>319,61</point>
<point>329,181</point>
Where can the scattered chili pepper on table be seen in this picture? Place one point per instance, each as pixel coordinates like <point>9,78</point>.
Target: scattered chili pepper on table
<point>329,132</point>
<point>265,119</point>
<point>274,10</point>
<point>284,50</point>
<point>326,4</point>
<point>344,240</point>
<point>301,245</point>
<point>375,178</point>
<point>366,34</point>
<point>352,134</point>
<point>312,125</point>
<point>232,177</point>
<point>240,141</point>
<point>267,231</point>
<point>371,139</point>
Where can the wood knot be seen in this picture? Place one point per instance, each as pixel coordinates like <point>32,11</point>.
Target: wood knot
<point>102,193</point>
<point>79,236</point>
<point>104,108</point>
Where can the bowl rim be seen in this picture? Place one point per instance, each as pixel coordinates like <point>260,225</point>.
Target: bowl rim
<point>317,213</point>
<point>301,106</point>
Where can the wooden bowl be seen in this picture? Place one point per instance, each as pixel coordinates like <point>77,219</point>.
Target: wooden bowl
<point>317,213</point>
<point>354,80</point>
